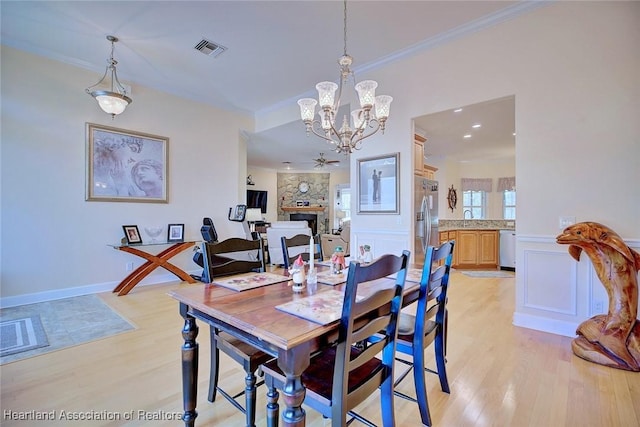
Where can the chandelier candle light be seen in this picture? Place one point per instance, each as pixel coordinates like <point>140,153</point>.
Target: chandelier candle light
<point>112,101</point>
<point>373,111</point>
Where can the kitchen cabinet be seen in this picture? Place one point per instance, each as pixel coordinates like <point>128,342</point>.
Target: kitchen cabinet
<point>429,172</point>
<point>476,249</point>
<point>418,155</point>
<point>419,167</point>
<point>445,236</point>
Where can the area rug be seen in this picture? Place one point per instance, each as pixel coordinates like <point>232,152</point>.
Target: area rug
<point>492,273</point>
<point>65,323</point>
<point>20,335</point>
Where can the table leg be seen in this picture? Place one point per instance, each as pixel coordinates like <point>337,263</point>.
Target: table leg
<point>189,367</point>
<point>153,262</point>
<point>293,362</point>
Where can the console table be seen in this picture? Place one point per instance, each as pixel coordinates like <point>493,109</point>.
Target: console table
<point>153,262</point>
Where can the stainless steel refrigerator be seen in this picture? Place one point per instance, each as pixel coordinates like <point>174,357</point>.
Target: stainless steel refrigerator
<point>425,202</point>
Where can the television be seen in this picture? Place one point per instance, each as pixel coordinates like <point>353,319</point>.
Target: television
<point>257,199</point>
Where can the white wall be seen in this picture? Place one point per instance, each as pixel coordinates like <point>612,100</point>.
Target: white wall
<point>54,243</point>
<point>573,68</point>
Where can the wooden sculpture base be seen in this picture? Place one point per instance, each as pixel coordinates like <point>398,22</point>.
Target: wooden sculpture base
<point>596,352</point>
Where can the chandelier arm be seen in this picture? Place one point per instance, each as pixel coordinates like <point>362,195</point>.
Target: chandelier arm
<point>312,128</point>
<point>363,135</point>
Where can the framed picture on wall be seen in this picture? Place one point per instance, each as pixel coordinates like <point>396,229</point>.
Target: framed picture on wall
<point>379,185</point>
<point>125,166</point>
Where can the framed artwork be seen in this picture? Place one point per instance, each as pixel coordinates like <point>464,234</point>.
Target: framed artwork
<point>175,233</point>
<point>379,185</point>
<point>132,234</point>
<point>125,166</point>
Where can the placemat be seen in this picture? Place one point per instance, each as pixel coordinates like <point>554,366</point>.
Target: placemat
<point>413,275</point>
<point>330,278</point>
<point>328,263</point>
<point>323,308</point>
<point>246,281</point>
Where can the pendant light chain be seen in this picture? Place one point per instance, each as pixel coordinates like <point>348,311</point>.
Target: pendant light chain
<point>345,27</point>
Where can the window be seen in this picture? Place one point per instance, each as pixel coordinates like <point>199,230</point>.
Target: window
<point>507,186</point>
<point>509,204</point>
<point>476,202</point>
<point>342,203</point>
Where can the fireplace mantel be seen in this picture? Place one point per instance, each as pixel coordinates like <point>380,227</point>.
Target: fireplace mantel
<point>302,208</point>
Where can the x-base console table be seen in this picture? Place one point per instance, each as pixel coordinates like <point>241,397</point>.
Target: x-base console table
<point>153,262</point>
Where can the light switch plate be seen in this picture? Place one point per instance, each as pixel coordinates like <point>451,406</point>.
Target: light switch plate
<point>566,221</point>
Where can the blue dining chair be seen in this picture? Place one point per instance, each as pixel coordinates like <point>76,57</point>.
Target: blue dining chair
<point>344,375</point>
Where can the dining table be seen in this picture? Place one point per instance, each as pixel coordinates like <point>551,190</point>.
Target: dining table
<point>256,315</point>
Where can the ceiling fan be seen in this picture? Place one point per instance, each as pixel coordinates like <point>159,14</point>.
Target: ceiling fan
<point>322,162</point>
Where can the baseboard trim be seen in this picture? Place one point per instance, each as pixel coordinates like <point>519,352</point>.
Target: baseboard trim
<point>95,288</point>
<point>552,326</point>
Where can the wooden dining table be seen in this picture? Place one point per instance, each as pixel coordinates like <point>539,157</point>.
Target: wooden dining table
<point>252,316</point>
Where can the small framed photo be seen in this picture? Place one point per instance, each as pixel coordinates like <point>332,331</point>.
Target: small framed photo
<point>132,234</point>
<point>175,233</point>
<point>305,203</point>
<point>299,203</point>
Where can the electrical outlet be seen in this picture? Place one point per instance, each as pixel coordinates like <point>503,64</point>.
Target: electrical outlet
<point>566,221</point>
<point>129,266</point>
<point>598,306</point>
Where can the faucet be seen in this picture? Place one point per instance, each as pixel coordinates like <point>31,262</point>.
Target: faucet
<point>464,217</point>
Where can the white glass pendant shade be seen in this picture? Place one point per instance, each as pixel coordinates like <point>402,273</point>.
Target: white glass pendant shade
<point>111,102</point>
<point>358,118</point>
<point>367,92</point>
<point>307,108</point>
<point>326,94</point>
<point>326,121</point>
<point>383,106</point>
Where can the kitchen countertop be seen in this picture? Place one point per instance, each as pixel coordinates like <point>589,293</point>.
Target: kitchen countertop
<point>476,224</point>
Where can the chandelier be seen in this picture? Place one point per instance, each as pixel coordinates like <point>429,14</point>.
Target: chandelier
<point>366,121</point>
<point>112,101</point>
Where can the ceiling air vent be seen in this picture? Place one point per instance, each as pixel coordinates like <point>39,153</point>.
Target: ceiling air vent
<point>209,48</point>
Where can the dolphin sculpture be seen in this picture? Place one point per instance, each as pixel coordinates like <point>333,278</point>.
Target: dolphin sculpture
<point>612,339</point>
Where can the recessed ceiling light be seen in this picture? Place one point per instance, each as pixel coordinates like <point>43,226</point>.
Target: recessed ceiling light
<point>457,110</point>
<point>476,126</point>
<point>467,135</point>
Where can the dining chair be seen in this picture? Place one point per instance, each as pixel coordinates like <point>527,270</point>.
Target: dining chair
<point>428,326</point>
<point>299,245</point>
<point>342,376</point>
<point>235,256</point>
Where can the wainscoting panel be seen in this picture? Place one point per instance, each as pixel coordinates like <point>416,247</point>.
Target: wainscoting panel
<point>550,281</point>
<point>554,293</point>
<point>381,242</point>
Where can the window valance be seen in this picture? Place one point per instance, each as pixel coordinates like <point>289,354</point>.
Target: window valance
<point>477,184</point>
<point>507,183</point>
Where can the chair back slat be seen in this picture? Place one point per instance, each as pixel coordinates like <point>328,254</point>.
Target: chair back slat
<point>232,256</point>
<point>370,328</point>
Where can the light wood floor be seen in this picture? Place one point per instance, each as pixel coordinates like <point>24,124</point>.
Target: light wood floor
<point>500,375</point>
